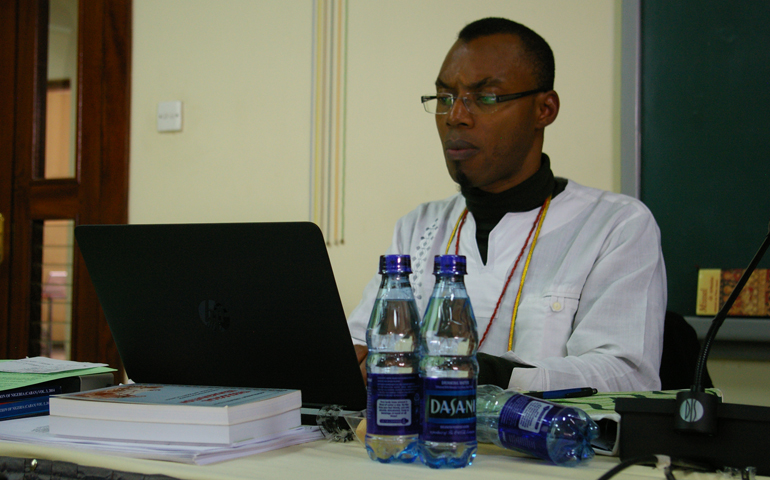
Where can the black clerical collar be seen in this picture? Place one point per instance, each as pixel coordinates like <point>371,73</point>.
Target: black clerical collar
<point>489,208</point>
<point>528,195</point>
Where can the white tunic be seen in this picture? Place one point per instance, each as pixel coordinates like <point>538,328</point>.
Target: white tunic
<point>593,302</point>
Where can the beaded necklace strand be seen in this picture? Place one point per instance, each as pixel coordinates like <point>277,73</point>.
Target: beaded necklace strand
<point>538,223</point>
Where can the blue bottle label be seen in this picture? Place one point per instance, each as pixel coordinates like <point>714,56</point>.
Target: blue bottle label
<point>449,410</point>
<point>524,424</point>
<point>392,406</point>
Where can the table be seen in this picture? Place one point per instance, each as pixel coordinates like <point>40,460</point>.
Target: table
<point>322,460</point>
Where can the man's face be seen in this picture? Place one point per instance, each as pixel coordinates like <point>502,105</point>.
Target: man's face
<point>491,151</point>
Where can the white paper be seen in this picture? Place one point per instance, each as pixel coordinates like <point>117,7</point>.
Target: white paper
<point>45,365</point>
<point>34,430</point>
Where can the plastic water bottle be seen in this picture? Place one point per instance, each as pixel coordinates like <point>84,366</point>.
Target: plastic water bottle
<point>537,427</point>
<point>448,370</point>
<point>392,410</point>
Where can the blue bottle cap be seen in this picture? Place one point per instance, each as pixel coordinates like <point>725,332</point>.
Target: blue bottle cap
<point>395,264</point>
<point>449,265</point>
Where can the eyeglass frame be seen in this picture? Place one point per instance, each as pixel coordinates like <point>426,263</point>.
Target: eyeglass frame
<point>498,99</point>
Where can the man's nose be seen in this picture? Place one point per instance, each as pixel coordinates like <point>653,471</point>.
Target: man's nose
<point>459,114</point>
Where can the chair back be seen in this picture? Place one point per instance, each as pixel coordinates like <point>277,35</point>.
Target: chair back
<point>681,349</point>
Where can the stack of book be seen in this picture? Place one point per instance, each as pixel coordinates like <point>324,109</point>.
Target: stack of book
<point>26,385</point>
<point>175,414</point>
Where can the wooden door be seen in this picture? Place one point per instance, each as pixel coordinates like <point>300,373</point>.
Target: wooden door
<point>96,191</point>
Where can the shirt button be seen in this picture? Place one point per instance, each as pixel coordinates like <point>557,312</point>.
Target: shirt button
<point>556,307</point>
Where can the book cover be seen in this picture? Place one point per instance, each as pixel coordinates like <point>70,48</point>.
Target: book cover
<point>716,285</point>
<point>29,392</point>
<point>24,408</point>
<point>33,399</point>
<point>186,404</point>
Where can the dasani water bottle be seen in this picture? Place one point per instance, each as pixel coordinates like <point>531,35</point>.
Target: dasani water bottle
<point>448,370</point>
<point>392,411</point>
<point>537,427</point>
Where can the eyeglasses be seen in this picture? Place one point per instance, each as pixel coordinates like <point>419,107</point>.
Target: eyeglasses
<point>442,103</point>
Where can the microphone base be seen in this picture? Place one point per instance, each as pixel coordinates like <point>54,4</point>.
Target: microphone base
<point>696,412</point>
<point>647,427</point>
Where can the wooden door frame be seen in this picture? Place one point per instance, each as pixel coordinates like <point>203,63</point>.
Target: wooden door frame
<point>24,53</point>
<point>7,119</point>
<point>104,101</point>
<point>99,191</point>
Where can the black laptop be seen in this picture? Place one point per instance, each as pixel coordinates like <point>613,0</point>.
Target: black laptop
<point>242,304</point>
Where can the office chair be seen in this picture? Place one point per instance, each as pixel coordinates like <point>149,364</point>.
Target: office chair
<point>680,354</point>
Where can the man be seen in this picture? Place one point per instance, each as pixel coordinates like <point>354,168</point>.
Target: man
<point>567,282</point>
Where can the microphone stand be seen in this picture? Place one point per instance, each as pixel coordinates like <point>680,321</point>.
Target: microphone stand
<point>697,426</point>
<point>697,410</point>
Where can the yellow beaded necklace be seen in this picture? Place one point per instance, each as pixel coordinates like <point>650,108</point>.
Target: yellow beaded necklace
<point>538,223</point>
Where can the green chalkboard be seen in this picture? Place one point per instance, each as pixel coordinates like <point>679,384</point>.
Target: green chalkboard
<point>705,129</point>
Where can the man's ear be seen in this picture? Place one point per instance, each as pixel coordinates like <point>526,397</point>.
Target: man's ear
<point>548,108</point>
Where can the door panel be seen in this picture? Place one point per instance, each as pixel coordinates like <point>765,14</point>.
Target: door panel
<point>94,187</point>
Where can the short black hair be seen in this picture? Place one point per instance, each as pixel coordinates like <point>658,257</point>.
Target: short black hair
<point>537,50</point>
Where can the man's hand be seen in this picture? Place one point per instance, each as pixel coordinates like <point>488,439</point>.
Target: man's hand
<point>361,353</point>
<point>495,370</point>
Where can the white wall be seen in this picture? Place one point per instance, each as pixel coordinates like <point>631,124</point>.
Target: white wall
<point>742,381</point>
<point>243,70</point>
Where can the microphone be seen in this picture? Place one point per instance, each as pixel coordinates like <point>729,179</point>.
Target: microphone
<point>697,425</point>
<point>697,410</point>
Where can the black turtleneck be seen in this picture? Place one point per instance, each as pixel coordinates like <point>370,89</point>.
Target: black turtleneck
<point>489,208</point>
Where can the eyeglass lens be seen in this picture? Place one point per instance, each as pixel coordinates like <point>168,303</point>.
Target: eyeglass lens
<point>474,103</point>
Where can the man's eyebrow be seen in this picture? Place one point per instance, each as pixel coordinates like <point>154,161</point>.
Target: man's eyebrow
<point>440,84</point>
<point>485,82</point>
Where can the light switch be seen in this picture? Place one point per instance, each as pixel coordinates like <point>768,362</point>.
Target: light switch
<point>170,116</point>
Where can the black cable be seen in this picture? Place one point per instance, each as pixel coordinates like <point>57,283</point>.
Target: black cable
<point>643,460</point>
<point>656,461</point>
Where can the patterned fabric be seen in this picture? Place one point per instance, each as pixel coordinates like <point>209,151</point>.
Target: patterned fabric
<point>33,469</point>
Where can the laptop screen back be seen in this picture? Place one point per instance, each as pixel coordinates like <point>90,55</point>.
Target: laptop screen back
<point>248,304</point>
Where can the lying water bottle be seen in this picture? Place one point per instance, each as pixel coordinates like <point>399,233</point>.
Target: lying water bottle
<point>536,427</point>
<point>392,410</point>
<point>448,370</point>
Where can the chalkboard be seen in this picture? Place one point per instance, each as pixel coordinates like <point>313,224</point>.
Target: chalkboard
<point>705,134</point>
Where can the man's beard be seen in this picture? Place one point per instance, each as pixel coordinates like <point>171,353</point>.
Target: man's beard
<point>462,180</point>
